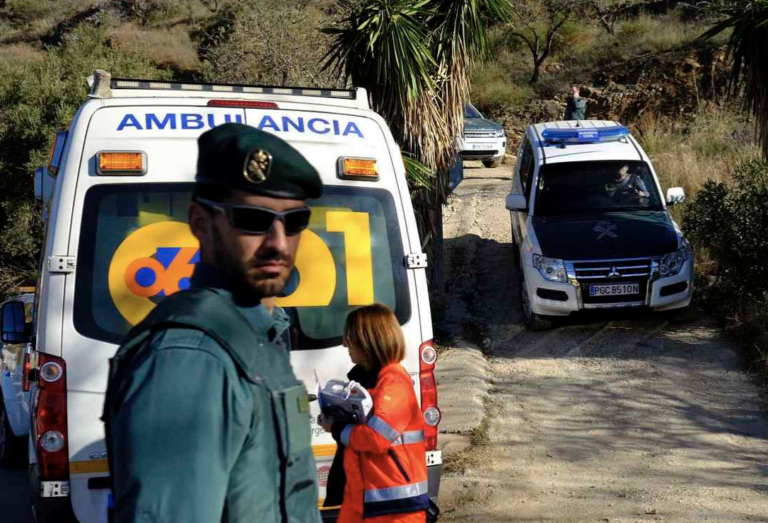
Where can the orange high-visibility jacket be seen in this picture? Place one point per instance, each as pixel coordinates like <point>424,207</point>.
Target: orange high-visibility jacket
<point>385,459</point>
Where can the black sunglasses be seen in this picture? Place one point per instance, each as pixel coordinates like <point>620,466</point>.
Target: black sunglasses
<point>259,220</point>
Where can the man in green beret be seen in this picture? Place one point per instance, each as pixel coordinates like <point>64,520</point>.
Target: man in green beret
<point>205,419</point>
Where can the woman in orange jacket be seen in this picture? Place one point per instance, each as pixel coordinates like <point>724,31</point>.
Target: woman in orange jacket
<point>384,459</point>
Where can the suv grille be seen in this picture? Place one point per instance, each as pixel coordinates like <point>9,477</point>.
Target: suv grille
<point>613,272</point>
<point>479,134</point>
<point>613,269</point>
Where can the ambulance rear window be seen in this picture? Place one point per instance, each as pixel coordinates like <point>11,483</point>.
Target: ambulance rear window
<point>136,248</point>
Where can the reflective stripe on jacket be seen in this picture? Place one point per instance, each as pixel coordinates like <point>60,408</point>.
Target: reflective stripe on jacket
<point>387,456</point>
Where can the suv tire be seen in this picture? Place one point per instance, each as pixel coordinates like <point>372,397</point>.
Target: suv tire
<point>13,450</point>
<point>534,322</point>
<point>492,164</point>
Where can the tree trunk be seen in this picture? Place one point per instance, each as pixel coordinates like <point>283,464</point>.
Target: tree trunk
<point>536,70</point>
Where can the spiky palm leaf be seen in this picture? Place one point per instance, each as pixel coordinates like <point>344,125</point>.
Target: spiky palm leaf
<point>748,51</point>
<point>383,45</point>
<point>414,58</point>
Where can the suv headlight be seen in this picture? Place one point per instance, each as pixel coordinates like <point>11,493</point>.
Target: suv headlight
<point>672,263</point>
<point>499,133</point>
<point>550,268</point>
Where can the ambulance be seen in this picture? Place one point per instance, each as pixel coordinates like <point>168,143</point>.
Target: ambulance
<point>117,243</point>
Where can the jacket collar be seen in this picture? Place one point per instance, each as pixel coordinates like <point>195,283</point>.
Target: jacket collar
<point>271,324</point>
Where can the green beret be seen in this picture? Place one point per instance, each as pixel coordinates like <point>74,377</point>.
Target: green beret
<point>242,157</point>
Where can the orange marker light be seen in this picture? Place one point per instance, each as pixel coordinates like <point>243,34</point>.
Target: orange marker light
<point>126,163</point>
<point>360,168</point>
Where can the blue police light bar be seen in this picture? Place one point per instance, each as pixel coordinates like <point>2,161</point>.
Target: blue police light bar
<point>602,134</point>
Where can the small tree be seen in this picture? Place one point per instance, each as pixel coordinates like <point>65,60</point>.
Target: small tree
<point>748,51</point>
<point>609,12</point>
<point>536,22</point>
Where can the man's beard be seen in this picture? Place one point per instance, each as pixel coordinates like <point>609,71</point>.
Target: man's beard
<point>244,282</point>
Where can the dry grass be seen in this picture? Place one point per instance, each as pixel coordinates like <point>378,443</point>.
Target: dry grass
<point>163,45</point>
<point>21,53</point>
<point>709,148</point>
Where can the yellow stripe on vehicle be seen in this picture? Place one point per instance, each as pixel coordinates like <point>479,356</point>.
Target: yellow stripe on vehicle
<point>96,466</point>
<point>323,451</point>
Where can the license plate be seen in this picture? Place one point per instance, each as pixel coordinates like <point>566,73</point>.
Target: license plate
<point>482,146</point>
<point>616,289</point>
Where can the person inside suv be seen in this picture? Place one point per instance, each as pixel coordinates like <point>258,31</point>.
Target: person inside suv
<point>628,188</point>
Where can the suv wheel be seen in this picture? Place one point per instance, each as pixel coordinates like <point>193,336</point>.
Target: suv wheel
<point>535,322</point>
<point>492,164</point>
<point>13,450</point>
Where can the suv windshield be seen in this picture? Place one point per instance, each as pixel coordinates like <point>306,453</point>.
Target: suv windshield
<point>471,112</point>
<point>595,187</point>
<point>136,248</point>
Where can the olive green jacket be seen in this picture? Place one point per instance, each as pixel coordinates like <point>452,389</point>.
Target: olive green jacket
<point>575,109</point>
<point>205,418</point>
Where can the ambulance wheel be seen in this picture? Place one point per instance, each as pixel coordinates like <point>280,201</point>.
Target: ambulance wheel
<point>12,449</point>
<point>492,164</point>
<point>534,322</point>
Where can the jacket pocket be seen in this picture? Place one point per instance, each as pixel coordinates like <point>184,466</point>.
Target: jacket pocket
<point>399,465</point>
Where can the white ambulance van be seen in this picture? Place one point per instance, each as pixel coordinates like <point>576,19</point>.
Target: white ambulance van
<point>117,243</point>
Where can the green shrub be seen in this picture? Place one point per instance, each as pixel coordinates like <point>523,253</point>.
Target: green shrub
<point>269,42</point>
<point>573,39</point>
<point>731,221</point>
<point>497,90</point>
<point>22,12</point>
<point>38,98</point>
<point>145,11</point>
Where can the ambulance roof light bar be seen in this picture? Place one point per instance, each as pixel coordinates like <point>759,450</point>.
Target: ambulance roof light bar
<point>101,83</point>
<point>585,135</point>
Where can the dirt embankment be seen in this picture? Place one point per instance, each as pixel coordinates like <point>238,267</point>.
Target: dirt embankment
<point>622,418</point>
<point>675,84</point>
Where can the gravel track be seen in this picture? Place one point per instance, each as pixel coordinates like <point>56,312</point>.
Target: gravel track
<point>620,417</point>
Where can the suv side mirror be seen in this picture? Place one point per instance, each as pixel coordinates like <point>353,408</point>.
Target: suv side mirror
<point>14,323</point>
<point>675,195</point>
<point>516,202</point>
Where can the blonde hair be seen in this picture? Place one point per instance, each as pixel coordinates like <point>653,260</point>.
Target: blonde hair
<point>375,333</point>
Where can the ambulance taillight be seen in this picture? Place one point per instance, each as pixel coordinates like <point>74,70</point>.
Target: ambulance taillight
<point>365,169</point>
<point>432,414</point>
<point>51,419</point>
<point>121,163</point>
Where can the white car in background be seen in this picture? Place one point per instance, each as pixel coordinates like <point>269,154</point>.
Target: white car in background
<point>482,139</point>
<point>14,408</point>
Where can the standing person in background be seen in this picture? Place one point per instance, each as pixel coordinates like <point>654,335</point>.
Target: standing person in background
<point>384,459</point>
<point>576,108</point>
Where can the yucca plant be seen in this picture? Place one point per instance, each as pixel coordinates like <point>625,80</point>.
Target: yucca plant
<point>414,58</point>
<point>748,51</point>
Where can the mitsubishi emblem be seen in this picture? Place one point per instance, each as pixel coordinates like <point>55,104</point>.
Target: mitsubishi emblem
<point>614,273</point>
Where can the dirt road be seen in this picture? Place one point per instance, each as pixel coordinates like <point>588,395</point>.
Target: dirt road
<point>621,418</point>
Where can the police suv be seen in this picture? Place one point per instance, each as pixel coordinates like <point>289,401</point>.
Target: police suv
<point>117,243</point>
<point>590,227</point>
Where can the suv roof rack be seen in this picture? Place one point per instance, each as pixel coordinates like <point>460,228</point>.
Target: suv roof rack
<point>102,85</point>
